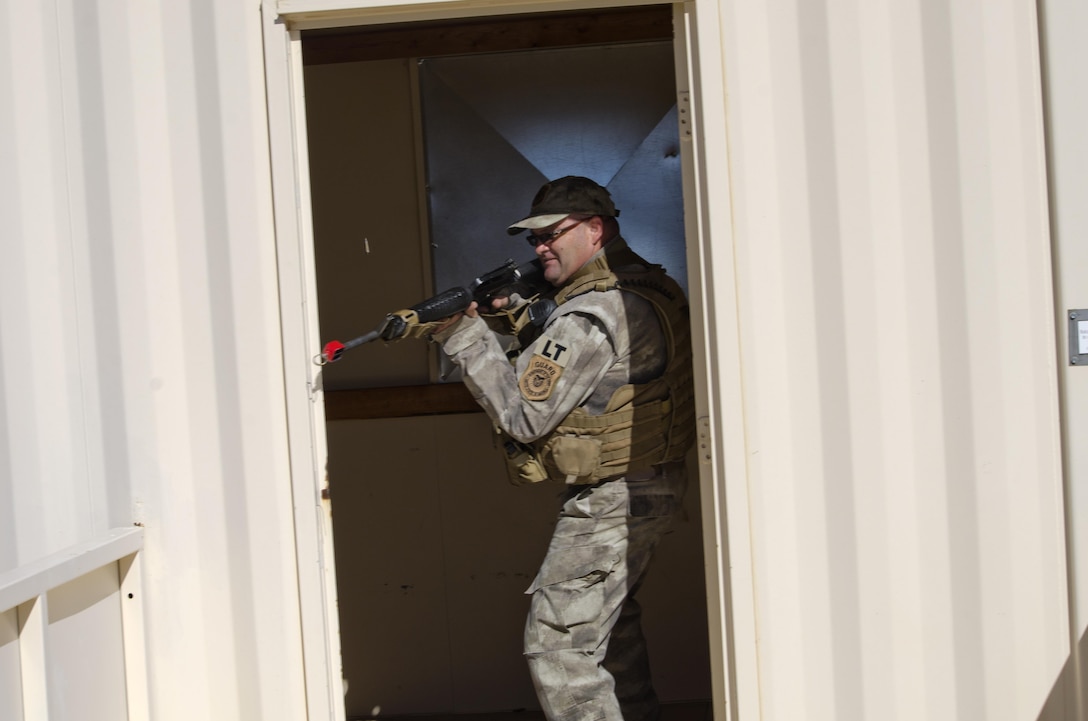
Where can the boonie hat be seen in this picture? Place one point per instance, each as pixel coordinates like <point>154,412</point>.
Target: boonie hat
<point>571,195</point>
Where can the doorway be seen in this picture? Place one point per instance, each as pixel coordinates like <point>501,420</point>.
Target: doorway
<point>434,549</point>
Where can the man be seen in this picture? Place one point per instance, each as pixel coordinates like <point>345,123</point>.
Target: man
<point>601,401</point>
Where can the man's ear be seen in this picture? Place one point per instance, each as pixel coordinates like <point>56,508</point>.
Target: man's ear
<point>596,229</point>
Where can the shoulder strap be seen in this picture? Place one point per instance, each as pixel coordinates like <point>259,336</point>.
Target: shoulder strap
<point>598,273</point>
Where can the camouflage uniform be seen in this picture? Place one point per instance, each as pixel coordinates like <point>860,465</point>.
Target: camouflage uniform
<point>583,640</point>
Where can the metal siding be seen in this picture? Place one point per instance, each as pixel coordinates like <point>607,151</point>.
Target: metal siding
<point>896,330</point>
<point>83,614</point>
<point>1065,53</point>
<point>897,337</point>
<point>40,390</point>
<point>11,692</point>
<point>140,348</point>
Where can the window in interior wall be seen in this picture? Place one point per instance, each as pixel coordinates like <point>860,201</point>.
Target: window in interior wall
<point>497,126</point>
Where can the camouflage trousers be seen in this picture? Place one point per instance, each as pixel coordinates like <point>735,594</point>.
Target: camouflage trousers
<point>583,638</point>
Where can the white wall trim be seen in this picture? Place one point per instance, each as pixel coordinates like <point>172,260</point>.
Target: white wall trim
<point>39,577</point>
<point>723,454</point>
<point>26,591</point>
<point>314,14</point>
<point>316,569</point>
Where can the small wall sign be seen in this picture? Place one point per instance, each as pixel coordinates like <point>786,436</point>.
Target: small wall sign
<point>1078,337</point>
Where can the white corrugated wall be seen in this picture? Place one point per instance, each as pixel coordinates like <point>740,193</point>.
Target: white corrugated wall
<point>1064,25</point>
<point>876,257</point>
<point>897,472</point>
<point>140,356</point>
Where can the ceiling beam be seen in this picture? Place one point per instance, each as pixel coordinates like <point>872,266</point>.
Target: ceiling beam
<point>500,34</point>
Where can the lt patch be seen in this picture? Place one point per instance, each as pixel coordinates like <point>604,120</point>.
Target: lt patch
<point>540,376</point>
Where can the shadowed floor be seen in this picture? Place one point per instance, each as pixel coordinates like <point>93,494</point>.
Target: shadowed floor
<point>687,711</point>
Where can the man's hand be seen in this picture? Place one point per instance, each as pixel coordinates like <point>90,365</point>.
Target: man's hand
<point>471,312</point>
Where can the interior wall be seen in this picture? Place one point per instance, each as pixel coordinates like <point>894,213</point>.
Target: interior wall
<point>434,547</point>
<point>434,552</point>
<point>621,130</point>
<point>364,184</point>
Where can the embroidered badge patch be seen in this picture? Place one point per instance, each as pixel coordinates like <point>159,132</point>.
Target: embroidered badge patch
<point>540,376</point>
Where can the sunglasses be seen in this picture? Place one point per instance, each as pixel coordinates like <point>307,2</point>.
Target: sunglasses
<point>542,238</point>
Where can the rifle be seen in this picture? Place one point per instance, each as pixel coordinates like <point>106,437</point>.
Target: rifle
<point>525,280</point>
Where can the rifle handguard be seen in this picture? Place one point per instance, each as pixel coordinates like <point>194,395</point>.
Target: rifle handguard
<point>421,319</point>
<point>443,305</point>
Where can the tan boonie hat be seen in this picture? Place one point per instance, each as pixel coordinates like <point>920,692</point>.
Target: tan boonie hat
<point>572,195</point>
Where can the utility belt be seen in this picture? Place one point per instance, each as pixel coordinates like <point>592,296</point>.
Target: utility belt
<point>525,467</point>
<point>661,470</point>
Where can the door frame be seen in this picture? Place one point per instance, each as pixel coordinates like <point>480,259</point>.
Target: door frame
<point>722,466</point>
